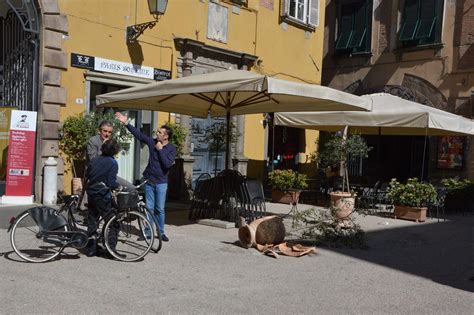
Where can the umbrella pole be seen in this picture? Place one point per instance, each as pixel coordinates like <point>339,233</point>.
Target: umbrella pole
<point>227,141</point>
<point>424,154</point>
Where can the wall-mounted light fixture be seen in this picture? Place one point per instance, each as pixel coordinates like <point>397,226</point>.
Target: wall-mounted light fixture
<point>156,8</point>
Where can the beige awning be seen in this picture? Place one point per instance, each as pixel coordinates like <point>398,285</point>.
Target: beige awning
<point>391,115</point>
<point>236,92</point>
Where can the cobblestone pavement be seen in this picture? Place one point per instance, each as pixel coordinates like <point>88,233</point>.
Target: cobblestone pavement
<point>409,268</point>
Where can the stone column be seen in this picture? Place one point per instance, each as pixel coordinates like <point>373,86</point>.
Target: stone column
<point>52,93</point>
<point>239,160</point>
<point>185,121</point>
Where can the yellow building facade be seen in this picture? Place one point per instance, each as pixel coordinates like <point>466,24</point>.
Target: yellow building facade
<point>83,51</point>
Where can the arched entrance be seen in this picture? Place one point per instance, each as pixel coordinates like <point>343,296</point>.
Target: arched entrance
<point>19,67</point>
<point>19,55</point>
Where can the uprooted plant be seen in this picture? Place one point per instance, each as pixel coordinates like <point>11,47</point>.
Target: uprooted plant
<point>324,228</point>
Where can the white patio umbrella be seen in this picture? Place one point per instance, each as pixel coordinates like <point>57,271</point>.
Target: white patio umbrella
<point>390,115</point>
<point>235,92</point>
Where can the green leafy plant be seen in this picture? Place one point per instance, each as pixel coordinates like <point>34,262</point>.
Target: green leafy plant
<point>215,135</point>
<point>287,179</point>
<point>323,227</point>
<point>453,184</point>
<point>412,194</point>
<point>77,129</point>
<point>337,151</point>
<point>178,138</point>
<point>460,194</point>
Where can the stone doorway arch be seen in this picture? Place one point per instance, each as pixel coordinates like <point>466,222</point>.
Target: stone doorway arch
<point>39,30</point>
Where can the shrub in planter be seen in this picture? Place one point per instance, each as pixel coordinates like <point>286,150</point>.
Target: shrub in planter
<point>283,182</point>
<point>411,199</point>
<point>460,194</point>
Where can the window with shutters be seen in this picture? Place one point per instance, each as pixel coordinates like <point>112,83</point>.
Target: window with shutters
<point>421,22</point>
<point>353,26</point>
<point>303,13</point>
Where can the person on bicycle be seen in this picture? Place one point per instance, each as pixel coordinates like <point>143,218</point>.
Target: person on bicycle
<point>161,157</point>
<point>101,179</point>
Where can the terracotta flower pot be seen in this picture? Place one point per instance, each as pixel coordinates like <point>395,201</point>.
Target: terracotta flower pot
<point>343,202</point>
<point>266,230</point>
<point>284,196</point>
<point>76,185</point>
<point>410,213</point>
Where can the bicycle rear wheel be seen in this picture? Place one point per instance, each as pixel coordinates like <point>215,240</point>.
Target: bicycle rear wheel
<point>157,243</point>
<point>122,236</point>
<point>29,243</point>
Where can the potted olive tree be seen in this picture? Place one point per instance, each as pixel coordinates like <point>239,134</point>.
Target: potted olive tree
<point>336,152</point>
<point>286,185</point>
<point>411,199</point>
<point>215,135</point>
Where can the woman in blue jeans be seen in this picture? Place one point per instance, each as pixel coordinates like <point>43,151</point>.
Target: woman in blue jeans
<point>161,158</point>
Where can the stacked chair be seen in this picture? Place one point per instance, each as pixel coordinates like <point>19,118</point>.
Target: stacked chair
<point>228,196</point>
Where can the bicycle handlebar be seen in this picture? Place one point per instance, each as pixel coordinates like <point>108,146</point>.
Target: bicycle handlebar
<point>134,187</point>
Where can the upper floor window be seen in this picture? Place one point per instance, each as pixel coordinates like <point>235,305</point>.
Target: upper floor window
<point>353,26</point>
<point>421,22</point>
<point>301,12</point>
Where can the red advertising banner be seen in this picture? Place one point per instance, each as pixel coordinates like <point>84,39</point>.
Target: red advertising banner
<point>21,153</point>
<point>5,113</point>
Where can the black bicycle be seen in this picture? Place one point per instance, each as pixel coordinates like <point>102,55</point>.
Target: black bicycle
<point>40,234</point>
<point>136,202</point>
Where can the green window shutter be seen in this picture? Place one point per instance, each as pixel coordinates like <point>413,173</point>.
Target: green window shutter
<point>359,27</point>
<point>410,20</point>
<point>428,18</point>
<point>346,32</point>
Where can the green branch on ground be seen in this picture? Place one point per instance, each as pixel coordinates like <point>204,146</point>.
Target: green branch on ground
<point>325,228</point>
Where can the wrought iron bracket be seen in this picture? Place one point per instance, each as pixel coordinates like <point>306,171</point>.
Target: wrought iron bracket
<point>134,31</point>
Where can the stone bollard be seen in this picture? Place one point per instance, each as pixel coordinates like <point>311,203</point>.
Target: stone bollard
<point>50,183</point>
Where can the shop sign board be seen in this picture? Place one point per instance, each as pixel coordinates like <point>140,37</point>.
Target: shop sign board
<point>5,113</point>
<point>21,154</point>
<point>118,67</point>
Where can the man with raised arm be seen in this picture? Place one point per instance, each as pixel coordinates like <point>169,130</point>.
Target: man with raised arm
<point>161,158</point>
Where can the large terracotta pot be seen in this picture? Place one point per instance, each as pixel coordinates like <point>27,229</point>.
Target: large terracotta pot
<point>266,230</point>
<point>410,213</point>
<point>285,196</point>
<point>343,202</point>
<point>76,185</point>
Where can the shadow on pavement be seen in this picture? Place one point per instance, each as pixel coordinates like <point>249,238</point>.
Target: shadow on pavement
<point>442,252</point>
<point>177,217</point>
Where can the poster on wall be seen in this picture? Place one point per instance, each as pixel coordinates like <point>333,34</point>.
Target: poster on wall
<point>5,113</point>
<point>21,153</point>
<point>450,152</point>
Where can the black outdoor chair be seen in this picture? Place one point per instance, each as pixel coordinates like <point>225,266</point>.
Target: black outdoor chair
<point>201,194</point>
<point>438,205</point>
<point>369,198</point>
<point>382,196</point>
<point>257,199</point>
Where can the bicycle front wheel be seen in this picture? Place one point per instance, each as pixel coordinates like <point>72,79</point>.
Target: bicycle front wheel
<point>157,243</point>
<point>123,236</point>
<point>31,244</point>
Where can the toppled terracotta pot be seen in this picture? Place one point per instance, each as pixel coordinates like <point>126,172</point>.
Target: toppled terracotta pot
<point>267,230</point>
<point>267,235</point>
